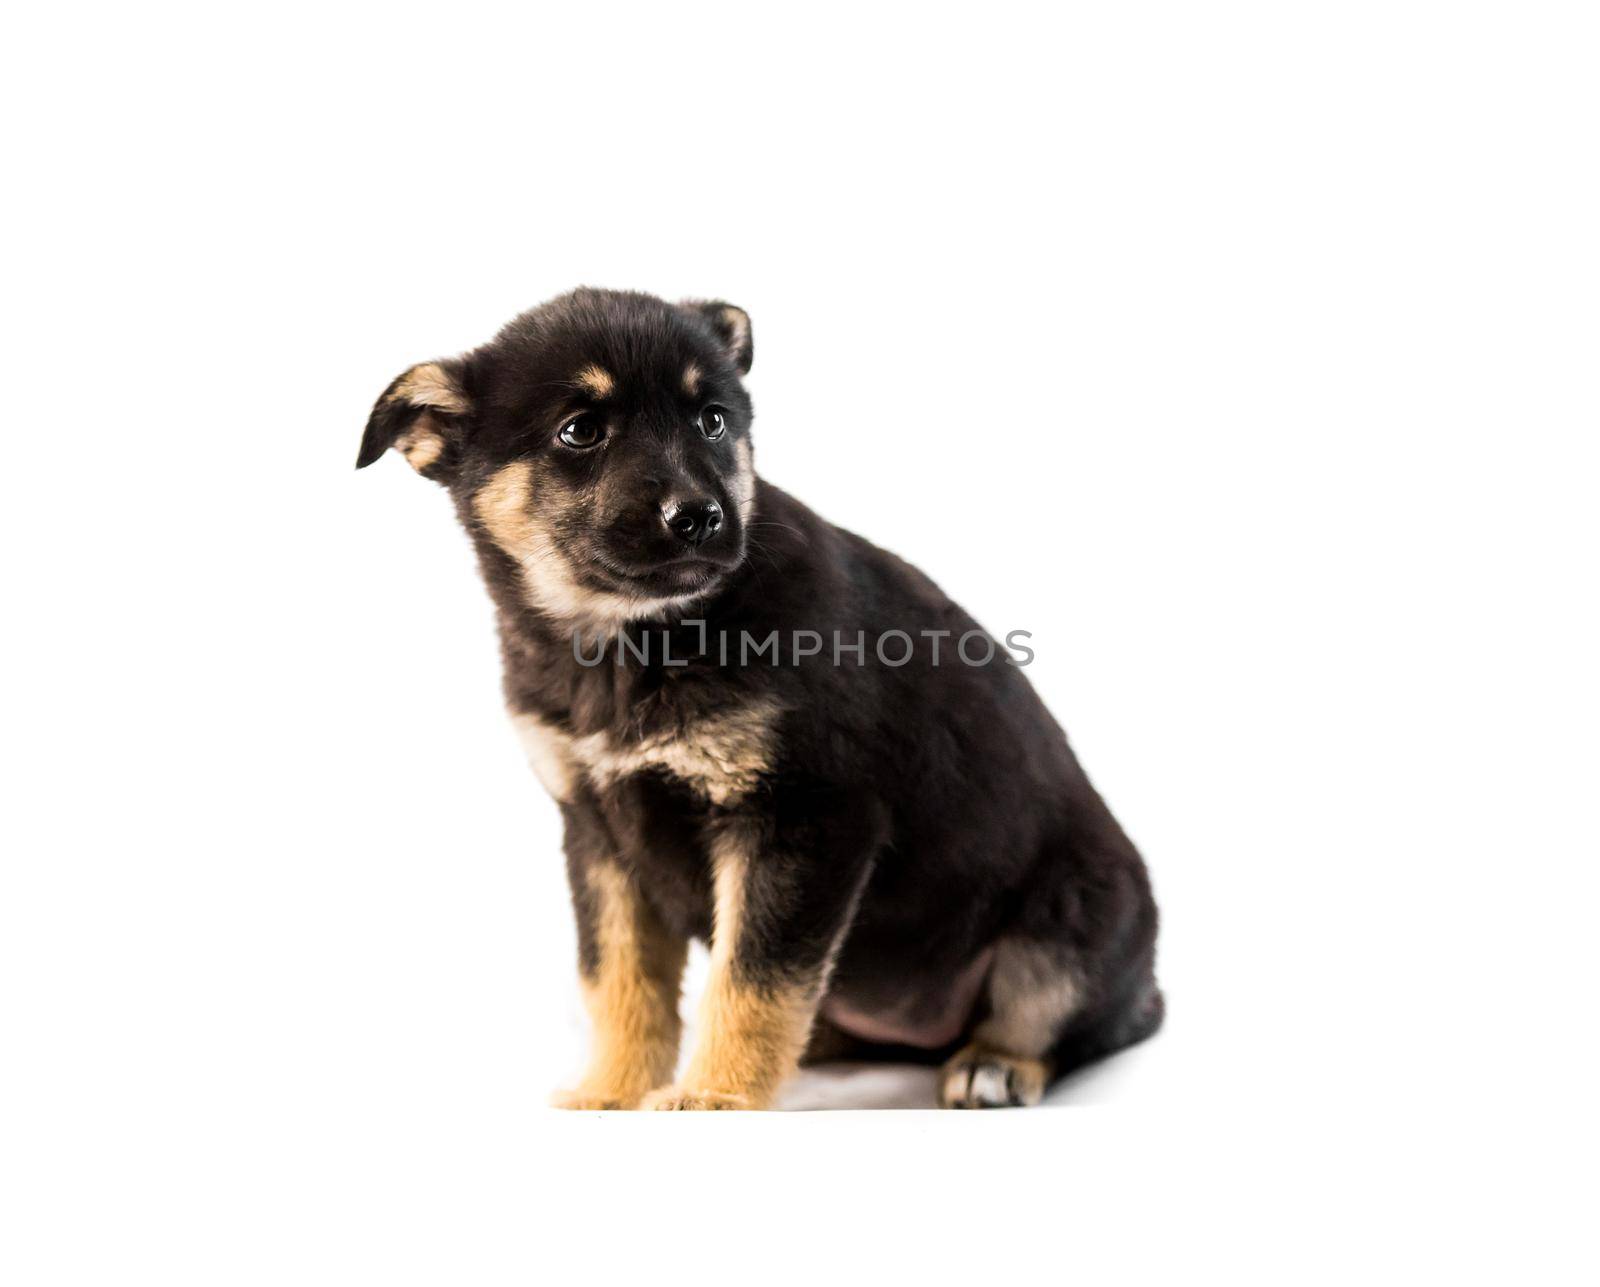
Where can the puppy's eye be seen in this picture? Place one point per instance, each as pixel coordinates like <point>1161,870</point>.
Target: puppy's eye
<point>582,431</point>
<point>713,423</point>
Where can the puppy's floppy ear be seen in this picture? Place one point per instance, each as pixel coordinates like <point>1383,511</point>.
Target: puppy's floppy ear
<point>730,324</point>
<point>423,415</point>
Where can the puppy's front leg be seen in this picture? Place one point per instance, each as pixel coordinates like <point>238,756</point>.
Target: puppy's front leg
<point>780,916</point>
<point>631,968</point>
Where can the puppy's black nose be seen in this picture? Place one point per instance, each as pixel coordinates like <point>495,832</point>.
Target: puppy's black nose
<point>695,521</point>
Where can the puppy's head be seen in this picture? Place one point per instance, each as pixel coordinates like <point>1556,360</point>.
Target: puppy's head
<point>600,442</point>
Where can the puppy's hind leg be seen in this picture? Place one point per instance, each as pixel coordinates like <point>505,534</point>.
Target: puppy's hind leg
<point>1033,993</point>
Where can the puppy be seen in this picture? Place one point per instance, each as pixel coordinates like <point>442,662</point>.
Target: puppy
<point>766,733</point>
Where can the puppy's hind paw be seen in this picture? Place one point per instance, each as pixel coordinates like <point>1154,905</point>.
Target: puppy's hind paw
<point>677,1099</point>
<point>977,1078</point>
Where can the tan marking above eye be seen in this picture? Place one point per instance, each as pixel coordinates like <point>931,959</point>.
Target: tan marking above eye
<point>691,379</point>
<point>597,380</point>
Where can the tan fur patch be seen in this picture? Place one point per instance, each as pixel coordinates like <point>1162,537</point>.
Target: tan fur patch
<point>1032,994</point>
<point>597,380</point>
<point>722,756</point>
<point>428,385</point>
<point>632,998</point>
<point>549,752</point>
<point>691,379</point>
<point>751,1037</point>
<point>738,324</point>
<point>422,444</point>
<point>504,506</point>
<point>743,484</point>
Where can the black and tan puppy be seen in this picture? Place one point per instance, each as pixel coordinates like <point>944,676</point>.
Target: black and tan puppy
<point>766,733</point>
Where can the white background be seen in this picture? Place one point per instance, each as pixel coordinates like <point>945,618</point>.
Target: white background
<point>1243,353</point>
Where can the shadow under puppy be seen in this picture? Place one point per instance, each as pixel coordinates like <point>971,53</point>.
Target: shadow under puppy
<point>888,847</point>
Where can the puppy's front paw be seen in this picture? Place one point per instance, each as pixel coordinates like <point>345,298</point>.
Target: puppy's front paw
<point>977,1078</point>
<point>586,1100</point>
<point>679,1099</point>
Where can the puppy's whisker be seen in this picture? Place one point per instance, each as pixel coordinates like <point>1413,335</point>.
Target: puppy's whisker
<point>784,526</point>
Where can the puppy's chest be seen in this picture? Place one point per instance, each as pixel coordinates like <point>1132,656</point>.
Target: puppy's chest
<point>721,756</point>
